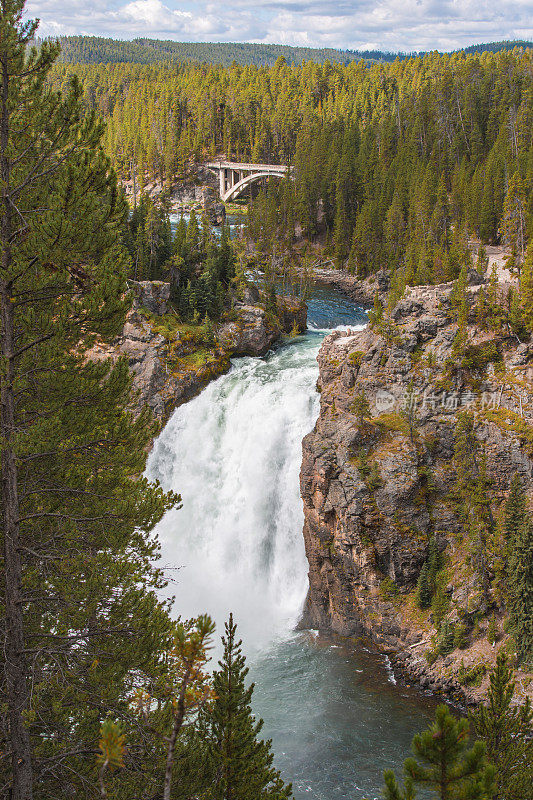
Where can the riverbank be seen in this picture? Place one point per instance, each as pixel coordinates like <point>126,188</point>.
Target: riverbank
<point>361,291</point>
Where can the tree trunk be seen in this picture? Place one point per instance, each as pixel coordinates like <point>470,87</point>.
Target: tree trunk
<point>178,722</point>
<point>15,667</point>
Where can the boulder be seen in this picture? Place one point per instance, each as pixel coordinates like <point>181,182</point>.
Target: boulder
<point>252,334</point>
<point>152,295</point>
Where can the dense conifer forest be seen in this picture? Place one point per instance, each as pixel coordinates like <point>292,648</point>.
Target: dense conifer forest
<point>97,50</point>
<point>397,163</point>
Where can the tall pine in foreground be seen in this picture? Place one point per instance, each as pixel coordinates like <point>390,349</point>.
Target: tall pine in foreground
<point>81,627</point>
<point>506,731</point>
<point>240,762</point>
<point>445,763</point>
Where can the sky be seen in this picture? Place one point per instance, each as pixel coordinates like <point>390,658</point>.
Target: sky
<point>395,25</point>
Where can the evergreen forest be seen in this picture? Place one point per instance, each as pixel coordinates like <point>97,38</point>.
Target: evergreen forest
<point>397,163</point>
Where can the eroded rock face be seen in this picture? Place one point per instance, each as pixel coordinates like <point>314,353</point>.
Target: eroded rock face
<point>153,295</point>
<point>154,384</point>
<point>252,334</point>
<point>255,332</point>
<point>376,486</point>
<point>162,378</point>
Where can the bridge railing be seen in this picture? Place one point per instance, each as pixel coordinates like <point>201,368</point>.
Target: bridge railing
<point>236,165</point>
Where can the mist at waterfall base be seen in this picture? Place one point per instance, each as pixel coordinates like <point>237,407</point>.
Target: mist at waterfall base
<point>234,453</point>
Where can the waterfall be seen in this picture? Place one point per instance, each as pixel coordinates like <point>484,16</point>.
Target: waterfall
<point>234,454</point>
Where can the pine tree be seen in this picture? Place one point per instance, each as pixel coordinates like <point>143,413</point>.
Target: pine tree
<point>395,229</point>
<point>80,613</point>
<point>190,686</point>
<point>441,214</point>
<point>180,237</point>
<point>192,237</point>
<point>505,728</point>
<point>427,580</point>
<point>492,630</point>
<point>459,306</point>
<point>361,407</point>
<point>526,288</point>
<point>519,536</point>
<point>444,763</point>
<point>376,315</point>
<point>424,593</point>
<point>514,219</point>
<point>240,761</point>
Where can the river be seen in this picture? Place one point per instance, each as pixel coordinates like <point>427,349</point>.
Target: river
<point>234,223</point>
<point>334,713</point>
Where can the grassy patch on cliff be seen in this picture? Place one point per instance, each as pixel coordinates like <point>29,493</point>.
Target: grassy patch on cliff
<point>510,422</point>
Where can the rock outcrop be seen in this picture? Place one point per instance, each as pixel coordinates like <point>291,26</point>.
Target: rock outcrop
<point>170,367</point>
<point>158,380</point>
<point>152,295</point>
<point>378,475</point>
<point>255,331</point>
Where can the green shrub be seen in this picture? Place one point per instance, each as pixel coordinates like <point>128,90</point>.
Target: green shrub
<point>388,589</point>
<point>361,462</point>
<point>446,638</point>
<point>459,638</point>
<point>492,630</point>
<point>356,358</point>
<point>374,478</point>
<point>472,676</point>
<point>479,356</point>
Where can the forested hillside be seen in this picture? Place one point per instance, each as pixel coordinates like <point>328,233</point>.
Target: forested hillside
<point>97,50</point>
<point>494,47</point>
<point>396,163</point>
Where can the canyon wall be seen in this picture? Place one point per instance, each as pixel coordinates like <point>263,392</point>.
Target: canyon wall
<point>378,479</point>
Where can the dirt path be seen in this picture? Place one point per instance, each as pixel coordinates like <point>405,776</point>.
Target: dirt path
<point>497,256</point>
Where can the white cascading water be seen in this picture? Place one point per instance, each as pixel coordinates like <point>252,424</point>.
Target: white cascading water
<point>234,454</point>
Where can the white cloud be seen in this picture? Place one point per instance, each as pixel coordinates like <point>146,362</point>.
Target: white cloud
<point>355,24</point>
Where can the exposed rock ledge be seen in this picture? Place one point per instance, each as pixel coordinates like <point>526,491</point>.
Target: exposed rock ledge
<point>361,291</point>
<point>367,539</point>
<point>165,371</point>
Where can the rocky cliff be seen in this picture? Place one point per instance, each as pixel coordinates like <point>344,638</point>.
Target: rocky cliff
<point>171,363</point>
<point>378,479</point>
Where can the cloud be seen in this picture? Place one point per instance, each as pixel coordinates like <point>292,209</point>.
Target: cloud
<point>355,24</point>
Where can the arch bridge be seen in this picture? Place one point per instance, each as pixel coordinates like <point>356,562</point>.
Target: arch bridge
<point>234,178</point>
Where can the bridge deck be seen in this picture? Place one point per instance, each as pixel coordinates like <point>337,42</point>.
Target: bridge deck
<point>247,167</point>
